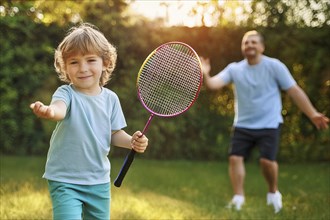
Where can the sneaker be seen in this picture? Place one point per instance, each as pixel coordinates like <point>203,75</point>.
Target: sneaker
<point>275,199</point>
<point>236,202</point>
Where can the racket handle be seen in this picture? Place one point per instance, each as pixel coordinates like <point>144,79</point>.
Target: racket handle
<point>129,158</point>
<point>127,163</point>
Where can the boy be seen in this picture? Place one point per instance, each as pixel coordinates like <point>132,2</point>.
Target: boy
<point>89,118</point>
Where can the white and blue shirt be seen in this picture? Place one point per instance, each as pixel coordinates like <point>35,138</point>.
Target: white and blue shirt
<point>80,143</point>
<point>257,91</point>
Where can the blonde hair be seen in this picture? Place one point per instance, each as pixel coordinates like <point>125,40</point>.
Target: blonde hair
<point>85,39</point>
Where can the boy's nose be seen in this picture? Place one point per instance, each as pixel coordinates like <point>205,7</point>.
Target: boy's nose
<point>83,67</point>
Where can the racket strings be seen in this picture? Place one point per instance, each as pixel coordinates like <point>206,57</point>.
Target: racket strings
<point>170,80</point>
<point>179,93</point>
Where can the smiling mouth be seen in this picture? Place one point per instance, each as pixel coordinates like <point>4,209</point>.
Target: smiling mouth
<point>84,77</point>
<point>250,49</point>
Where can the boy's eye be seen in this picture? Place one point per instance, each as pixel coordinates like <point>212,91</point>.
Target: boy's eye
<point>92,59</point>
<point>73,62</point>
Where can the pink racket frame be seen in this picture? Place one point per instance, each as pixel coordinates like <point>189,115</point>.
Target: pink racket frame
<point>130,157</point>
<point>178,113</point>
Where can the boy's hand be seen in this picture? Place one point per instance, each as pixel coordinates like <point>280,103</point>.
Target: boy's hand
<point>42,111</point>
<point>139,143</point>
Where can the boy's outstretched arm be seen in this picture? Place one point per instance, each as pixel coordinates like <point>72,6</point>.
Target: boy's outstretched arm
<point>122,139</point>
<point>56,111</point>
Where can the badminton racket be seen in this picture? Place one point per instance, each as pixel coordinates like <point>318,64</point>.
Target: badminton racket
<point>168,84</point>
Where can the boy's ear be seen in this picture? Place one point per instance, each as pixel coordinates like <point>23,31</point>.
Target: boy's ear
<point>106,64</point>
<point>67,76</point>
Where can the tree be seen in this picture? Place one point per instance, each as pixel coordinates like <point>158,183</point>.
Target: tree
<point>26,63</point>
<point>298,13</point>
<point>31,31</point>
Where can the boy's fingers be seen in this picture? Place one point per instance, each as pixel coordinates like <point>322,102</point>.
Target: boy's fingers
<point>36,105</point>
<point>142,139</point>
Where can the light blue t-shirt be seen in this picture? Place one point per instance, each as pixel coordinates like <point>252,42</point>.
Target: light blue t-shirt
<point>257,91</point>
<point>80,143</point>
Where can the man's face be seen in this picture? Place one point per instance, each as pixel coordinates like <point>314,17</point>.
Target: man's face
<point>252,46</point>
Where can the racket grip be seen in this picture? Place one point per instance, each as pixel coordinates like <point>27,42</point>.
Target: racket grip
<point>127,163</point>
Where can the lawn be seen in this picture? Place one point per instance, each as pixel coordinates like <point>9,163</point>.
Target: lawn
<point>174,190</point>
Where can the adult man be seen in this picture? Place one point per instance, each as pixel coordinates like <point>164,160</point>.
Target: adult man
<point>258,80</point>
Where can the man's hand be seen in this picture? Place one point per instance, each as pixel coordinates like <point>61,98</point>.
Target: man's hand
<point>320,121</point>
<point>206,66</point>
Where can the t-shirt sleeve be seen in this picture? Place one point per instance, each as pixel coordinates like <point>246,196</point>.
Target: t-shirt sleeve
<point>283,76</point>
<point>117,117</point>
<point>226,74</point>
<point>62,93</point>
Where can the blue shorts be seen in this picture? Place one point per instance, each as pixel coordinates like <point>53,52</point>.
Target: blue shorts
<point>73,202</point>
<point>244,140</point>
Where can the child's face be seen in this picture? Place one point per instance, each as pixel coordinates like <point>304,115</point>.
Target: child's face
<point>85,72</point>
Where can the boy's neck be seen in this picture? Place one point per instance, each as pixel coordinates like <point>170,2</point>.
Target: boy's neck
<point>90,92</point>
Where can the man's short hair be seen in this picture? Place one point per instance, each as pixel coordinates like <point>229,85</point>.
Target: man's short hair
<point>254,33</point>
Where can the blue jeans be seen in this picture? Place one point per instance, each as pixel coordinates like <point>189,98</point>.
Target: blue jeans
<point>75,202</point>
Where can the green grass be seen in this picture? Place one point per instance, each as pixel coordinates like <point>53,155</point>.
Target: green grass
<point>174,190</point>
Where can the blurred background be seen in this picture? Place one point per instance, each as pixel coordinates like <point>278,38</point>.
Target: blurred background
<point>296,32</point>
